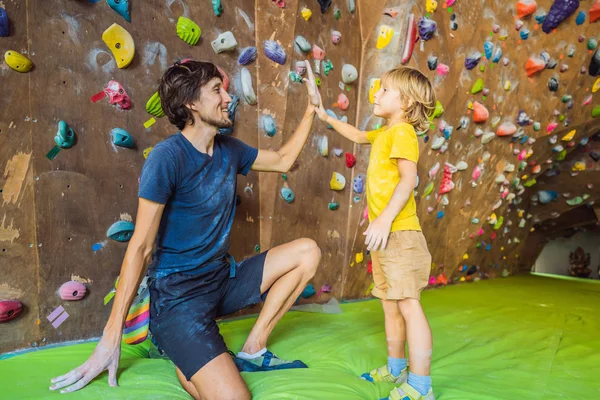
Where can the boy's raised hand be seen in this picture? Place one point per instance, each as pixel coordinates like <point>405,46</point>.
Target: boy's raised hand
<point>314,97</point>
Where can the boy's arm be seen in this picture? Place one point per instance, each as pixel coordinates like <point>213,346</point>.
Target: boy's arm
<point>344,129</point>
<point>379,229</point>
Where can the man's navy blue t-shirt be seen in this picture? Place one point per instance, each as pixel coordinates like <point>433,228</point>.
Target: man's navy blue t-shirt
<point>199,196</point>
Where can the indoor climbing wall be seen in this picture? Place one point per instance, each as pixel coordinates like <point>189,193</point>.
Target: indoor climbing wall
<point>515,83</point>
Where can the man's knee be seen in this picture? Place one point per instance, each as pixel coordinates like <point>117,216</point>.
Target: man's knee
<point>236,395</point>
<point>311,254</point>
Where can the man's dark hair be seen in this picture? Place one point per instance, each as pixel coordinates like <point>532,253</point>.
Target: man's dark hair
<point>180,85</point>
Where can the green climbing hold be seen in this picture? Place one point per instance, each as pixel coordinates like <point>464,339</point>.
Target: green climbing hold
<point>318,81</point>
<point>561,118</point>
<point>596,111</point>
<point>295,77</point>
<point>478,245</point>
<point>65,136</point>
<point>530,183</point>
<point>575,201</point>
<point>537,126</point>
<point>334,205</point>
<point>592,43</point>
<point>327,67</point>
<point>188,31</point>
<point>284,176</point>
<point>522,165</point>
<point>567,98</point>
<point>428,189</point>
<point>439,110</point>
<point>561,156</point>
<point>337,14</point>
<point>477,87</point>
<point>153,106</point>
<point>499,223</point>
<point>257,248</point>
<point>217,7</point>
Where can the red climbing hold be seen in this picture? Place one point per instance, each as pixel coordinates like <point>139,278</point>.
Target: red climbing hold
<point>411,39</point>
<point>447,185</point>
<point>595,12</point>
<point>534,65</point>
<point>350,160</point>
<point>480,113</point>
<point>370,267</point>
<point>525,8</point>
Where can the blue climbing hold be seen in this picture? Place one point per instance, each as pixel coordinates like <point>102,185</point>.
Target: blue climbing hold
<point>122,138</point>
<point>121,7</point>
<point>497,55</point>
<point>448,132</point>
<point>546,196</point>
<point>248,55</point>
<point>524,139</point>
<point>121,231</point>
<point>287,194</point>
<point>488,247</point>
<point>440,214</point>
<point>488,48</point>
<point>269,125</point>
<point>332,115</point>
<point>580,18</point>
<point>540,18</point>
<point>308,291</point>
<point>524,34</point>
<point>3,22</point>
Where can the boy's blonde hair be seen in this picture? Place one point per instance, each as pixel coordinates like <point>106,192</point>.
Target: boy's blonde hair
<point>416,90</point>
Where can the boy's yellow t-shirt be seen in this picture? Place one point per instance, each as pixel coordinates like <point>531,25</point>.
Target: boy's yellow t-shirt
<point>389,144</point>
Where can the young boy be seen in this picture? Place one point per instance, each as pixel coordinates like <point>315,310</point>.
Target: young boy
<point>401,260</point>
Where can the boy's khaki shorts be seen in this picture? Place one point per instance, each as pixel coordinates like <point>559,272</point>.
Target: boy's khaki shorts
<point>401,270</point>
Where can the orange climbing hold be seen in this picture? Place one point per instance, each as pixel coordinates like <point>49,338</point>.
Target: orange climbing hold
<point>534,65</point>
<point>525,8</point>
<point>480,113</point>
<point>506,129</point>
<point>595,11</point>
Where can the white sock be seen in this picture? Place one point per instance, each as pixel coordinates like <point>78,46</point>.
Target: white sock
<point>243,354</point>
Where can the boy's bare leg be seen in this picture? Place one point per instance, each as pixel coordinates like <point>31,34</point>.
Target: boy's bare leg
<point>418,334</point>
<point>395,329</point>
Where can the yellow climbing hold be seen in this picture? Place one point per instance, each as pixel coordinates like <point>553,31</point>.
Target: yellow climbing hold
<point>371,286</point>
<point>359,257</point>
<point>120,43</point>
<point>374,86</point>
<point>470,105</point>
<point>579,166</point>
<point>465,256</point>
<point>149,123</point>
<point>17,61</point>
<point>306,13</point>
<point>147,151</point>
<point>462,278</point>
<point>385,36</point>
<point>502,248</point>
<point>569,136</point>
<point>507,85</point>
<point>493,218</point>
<point>596,86</point>
<point>431,6</point>
<point>338,182</point>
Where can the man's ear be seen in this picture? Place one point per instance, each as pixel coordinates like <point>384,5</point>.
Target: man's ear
<point>192,106</point>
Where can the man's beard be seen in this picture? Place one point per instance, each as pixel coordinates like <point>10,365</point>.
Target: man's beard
<point>221,123</point>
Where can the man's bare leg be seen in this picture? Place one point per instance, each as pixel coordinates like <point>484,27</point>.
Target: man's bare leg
<point>287,270</point>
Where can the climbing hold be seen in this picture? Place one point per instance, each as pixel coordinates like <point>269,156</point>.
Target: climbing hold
<point>72,291</point>
<point>65,135</point>
<point>247,56</point>
<point>437,143</point>
<point>147,151</point>
<point>337,14</point>
<point>121,231</point>
<point>327,67</point>
<point>287,194</point>
<point>518,24</point>
<point>447,185</point>
<point>318,53</point>
<point>325,4</point>
<point>302,43</point>
<point>295,77</point>
<point>427,28</point>
<point>578,166</point>
<point>247,90</point>
<point>279,3</point>
<point>17,61</point>
<point>428,189</point>
<point>575,201</point>
<point>116,94</point>
<point>523,119</point>
<point>534,65</point>
<point>443,70</point>
<point>385,36</point>
<point>434,170</point>
<point>506,129</point>
<point>121,7</point>
<point>480,113</point>
<point>595,11</point>
<point>439,110</point>
<point>9,309</point>
<point>358,185</point>
<point>569,136</point>
<point>351,6</point>
<point>333,205</point>
<point>432,63</point>
<point>390,12</point>
<point>269,125</point>
<point>217,7</point>
<point>224,42</point>
<point>592,43</point>
<point>580,18</point>
<point>596,111</point>
<point>323,146</point>
<point>461,166</point>
<point>350,160</point>
<point>349,73</point>
<point>488,48</point>
<point>477,87</point>
<point>546,196</point>
<point>472,61</point>
<point>431,6</point>
<point>559,11</point>
<point>301,67</point>
<point>336,37</point>
<point>4,31</point>
<point>594,68</point>
<point>306,13</point>
<point>553,84</point>
<point>337,151</point>
<point>411,38</point>
<point>524,34</point>
<point>338,182</point>
<point>463,123</point>
<point>440,215</point>
<point>120,43</point>
<point>122,138</point>
<point>274,52</point>
<point>487,137</point>
<point>154,107</point>
<point>526,8</point>
<point>497,54</point>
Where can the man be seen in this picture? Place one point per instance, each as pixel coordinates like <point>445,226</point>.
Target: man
<point>186,204</point>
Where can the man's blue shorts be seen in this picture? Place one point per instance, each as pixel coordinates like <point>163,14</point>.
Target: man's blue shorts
<point>184,306</point>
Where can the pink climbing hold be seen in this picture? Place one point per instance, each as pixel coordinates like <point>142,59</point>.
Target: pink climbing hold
<point>506,129</point>
<point>476,173</point>
<point>432,280</point>
<point>481,231</point>
<point>343,102</point>
<point>588,100</point>
<point>279,3</point>
<point>72,290</point>
<point>534,65</point>
<point>522,155</point>
<point>9,309</point>
<point>552,126</point>
<point>480,113</point>
<point>450,3</point>
<point>411,39</point>
<point>318,53</point>
<point>443,69</point>
<point>447,185</point>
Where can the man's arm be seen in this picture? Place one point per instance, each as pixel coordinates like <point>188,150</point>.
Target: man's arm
<point>378,232</point>
<point>283,159</point>
<point>107,353</point>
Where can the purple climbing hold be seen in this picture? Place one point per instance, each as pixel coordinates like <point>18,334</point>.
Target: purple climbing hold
<point>523,119</point>
<point>595,63</point>
<point>427,28</point>
<point>274,52</point>
<point>560,10</point>
<point>325,4</point>
<point>3,22</point>
<point>472,61</point>
<point>358,184</point>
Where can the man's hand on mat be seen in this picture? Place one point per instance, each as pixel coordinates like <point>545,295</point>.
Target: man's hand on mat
<point>105,357</point>
<point>314,97</point>
<point>377,233</point>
